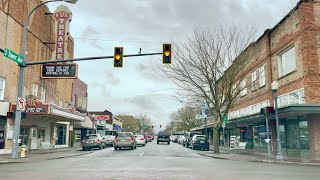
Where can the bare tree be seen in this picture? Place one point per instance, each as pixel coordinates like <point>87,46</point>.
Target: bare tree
<point>210,66</point>
<point>144,123</point>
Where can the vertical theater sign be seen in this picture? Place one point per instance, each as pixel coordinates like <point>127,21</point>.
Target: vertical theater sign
<point>62,16</point>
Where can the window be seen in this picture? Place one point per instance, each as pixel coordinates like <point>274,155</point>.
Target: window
<point>84,103</point>
<point>254,80</point>
<point>287,62</point>
<point>262,76</point>
<point>79,102</point>
<point>35,90</point>
<point>294,97</point>
<point>243,87</point>
<point>43,94</point>
<point>2,86</point>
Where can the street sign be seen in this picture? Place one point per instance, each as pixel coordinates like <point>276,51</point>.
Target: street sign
<point>21,104</point>
<point>59,71</point>
<point>13,56</point>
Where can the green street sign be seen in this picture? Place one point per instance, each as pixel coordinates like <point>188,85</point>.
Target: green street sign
<point>13,56</point>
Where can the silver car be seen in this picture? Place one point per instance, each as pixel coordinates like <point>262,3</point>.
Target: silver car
<point>124,140</point>
<point>93,141</point>
<point>109,139</point>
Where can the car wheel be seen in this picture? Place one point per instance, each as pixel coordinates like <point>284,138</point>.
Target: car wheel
<point>84,149</point>
<point>168,142</point>
<point>207,149</point>
<point>115,148</point>
<point>100,146</point>
<point>192,147</point>
<point>104,146</point>
<point>183,145</point>
<point>157,142</point>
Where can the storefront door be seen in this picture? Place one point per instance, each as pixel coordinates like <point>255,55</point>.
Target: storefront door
<point>61,132</point>
<point>2,133</point>
<point>34,138</point>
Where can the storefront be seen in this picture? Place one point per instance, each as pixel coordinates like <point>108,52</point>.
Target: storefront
<point>294,130</point>
<point>44,124</point>
<point>4,108</point>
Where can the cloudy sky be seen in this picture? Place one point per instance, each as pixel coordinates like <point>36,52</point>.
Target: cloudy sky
<point>99,25</point>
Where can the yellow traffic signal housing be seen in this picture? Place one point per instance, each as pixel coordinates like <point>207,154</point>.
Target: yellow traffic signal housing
<point>166,53</point>
<point>118,57</point>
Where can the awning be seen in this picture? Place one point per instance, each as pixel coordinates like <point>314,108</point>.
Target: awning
<point>86,124</point>
<point>202,127</point>
<point>284,112</point>
<point>116,127</point>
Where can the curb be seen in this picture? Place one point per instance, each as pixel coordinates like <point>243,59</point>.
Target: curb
<point>214,157</point>
<point>36,160</point>
<point>62,157</point>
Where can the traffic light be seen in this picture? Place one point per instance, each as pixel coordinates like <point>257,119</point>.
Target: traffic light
<point>152,126</point>
<point>118,57</point>
<point>166,53</point>
<point>160,125</point>
<point>267,110</point>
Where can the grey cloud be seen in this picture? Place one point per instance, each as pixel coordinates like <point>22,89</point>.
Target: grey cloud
<point>98,86</point>
<point>143,102</point>
<point>151,72</point>
<point>111,79</point>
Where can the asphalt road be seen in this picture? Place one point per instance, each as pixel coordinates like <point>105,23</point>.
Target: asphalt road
<point>153,162</point>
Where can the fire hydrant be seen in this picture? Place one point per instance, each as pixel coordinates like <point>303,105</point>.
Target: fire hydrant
<point>23,151</point>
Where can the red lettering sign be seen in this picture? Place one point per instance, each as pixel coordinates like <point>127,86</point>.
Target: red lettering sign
<point>102,117</point>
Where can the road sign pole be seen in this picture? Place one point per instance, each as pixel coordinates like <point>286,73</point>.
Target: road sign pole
<point>16,132</point>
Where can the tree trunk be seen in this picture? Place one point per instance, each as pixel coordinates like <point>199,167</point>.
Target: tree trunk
<point>216,140</point>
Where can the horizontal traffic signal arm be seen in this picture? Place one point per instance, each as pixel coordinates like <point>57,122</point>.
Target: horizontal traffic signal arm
<point>88,58</point>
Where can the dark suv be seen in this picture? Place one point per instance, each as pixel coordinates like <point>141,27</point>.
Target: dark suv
<point>188,138</point>
<point>163,137</point>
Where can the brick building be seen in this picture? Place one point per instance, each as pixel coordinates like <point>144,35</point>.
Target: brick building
<point>53,96</point>
<point>289,54</point>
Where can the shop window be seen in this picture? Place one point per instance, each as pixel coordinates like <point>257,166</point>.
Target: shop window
<point>2,86</point>
<point>294,97</point>
<point>287,62</point>
<point>304,133</point>
<point>41,134</point>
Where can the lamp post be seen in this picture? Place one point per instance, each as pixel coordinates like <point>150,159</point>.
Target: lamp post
<point>16,132</point>
<point>274,87</point>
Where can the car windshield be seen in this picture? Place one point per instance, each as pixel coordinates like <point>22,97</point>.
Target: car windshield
<point>91,137</point>
<point>201,138</point>
<point>123,135</point>
<point>160,89</point>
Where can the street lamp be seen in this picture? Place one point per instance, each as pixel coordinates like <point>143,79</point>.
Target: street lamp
<point>16,132</point>
<point>274,87</point>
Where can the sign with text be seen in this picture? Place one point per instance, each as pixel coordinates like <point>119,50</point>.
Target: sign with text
<point>101,117</point>
<point>13,56</point>
<point>62,17</point>
<point>37,109</point>
<point>59,71</point>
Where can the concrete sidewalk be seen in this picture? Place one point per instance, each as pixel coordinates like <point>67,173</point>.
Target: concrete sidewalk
<point>253,156</point>
<point>34,156</point>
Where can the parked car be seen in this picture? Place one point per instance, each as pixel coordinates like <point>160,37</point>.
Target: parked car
<point>181,139</point>
<point>176,138</point>
<point>124,140</point>
<point>172,137</point>
<point>144,135</point>
<point>109,139</point>
<point>163,137</point>
<point>93,141</point>
<point>140,139</point>
<point>199,142</point>
<point>188,138</point>
<point>149,138</point>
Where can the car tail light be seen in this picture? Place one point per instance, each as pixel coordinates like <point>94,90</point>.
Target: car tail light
<point>131,139</point>
<point>83,140</point>
<point>115,139</point>
<point>97,140</point>
<point>142,139</point>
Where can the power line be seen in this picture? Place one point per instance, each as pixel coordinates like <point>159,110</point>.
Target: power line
<point>109,40</point>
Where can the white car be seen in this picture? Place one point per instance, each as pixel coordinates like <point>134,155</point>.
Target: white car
<point>140,140</point>
<point>181,139</point>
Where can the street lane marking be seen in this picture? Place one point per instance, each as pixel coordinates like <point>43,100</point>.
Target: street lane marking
<point>141,154</point>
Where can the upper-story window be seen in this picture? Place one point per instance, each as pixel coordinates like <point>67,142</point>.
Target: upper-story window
<point>287,61</point>
<point>35,90</point>
<point>243,87</point>
<point>254,80</point>
<point>43,94</point>
<point>262,76</point>
<point>2,86</point>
